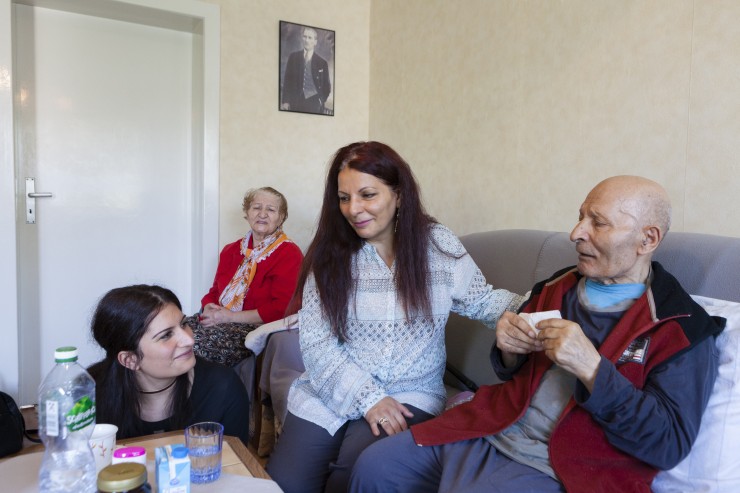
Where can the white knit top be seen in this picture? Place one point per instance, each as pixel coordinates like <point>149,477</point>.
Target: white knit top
<point>386,354</point>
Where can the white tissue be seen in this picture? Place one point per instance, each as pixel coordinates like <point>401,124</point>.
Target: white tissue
<point>534,317</point>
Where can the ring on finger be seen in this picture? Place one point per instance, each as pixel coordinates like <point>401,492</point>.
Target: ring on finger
<point>382,421</point>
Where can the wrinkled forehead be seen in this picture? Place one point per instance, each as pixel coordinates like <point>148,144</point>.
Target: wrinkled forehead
<point>266,198</point>
<point>611,202</point>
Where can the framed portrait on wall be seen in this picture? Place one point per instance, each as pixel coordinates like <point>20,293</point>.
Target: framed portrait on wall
<point>306,69</point>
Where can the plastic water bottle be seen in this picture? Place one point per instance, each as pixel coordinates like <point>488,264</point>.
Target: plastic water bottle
<point>66,421</point>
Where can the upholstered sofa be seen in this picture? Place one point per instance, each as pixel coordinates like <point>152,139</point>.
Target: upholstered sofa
<point>706,265</point>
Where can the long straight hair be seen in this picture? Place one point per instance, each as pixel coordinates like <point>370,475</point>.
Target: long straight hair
<point>329,257</point>
<point>120,321</point>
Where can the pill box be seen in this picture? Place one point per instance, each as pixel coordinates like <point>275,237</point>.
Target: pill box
<point>129,454</point>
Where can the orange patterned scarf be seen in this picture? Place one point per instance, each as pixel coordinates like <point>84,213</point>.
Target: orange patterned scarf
<point>235,293</point>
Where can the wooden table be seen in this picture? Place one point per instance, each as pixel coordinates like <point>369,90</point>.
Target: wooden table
<point>19,472</point>
<point>235,457</point>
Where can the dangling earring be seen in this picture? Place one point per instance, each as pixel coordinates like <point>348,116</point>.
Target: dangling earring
<point>395,229</point>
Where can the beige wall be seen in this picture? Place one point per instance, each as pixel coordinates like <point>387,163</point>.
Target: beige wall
<point>289,151</point>
<point>509,111</point>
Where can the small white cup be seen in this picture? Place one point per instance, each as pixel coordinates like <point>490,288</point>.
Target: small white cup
<point>102,442</point>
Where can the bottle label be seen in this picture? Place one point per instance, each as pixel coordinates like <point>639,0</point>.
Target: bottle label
<point>52,418</point>
<point>81,415</point>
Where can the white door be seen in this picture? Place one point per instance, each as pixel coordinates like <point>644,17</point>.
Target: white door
<point>104,122</point>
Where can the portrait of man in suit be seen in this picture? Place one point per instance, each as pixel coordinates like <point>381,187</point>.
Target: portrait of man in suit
<point>306,69</point>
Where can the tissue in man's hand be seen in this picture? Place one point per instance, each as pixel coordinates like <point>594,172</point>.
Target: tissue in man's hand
<point>534,317</point>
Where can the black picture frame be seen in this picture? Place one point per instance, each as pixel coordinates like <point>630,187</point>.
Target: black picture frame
<point>320,87</point>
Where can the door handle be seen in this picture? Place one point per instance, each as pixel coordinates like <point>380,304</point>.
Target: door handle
<point>31,196</point>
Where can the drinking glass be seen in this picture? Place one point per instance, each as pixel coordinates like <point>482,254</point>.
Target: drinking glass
<point>204,442</point>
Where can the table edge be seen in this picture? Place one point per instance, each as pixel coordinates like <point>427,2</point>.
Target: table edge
<point>241,451</point>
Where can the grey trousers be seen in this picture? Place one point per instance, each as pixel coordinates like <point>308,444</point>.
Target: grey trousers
<point>307,459</point>
<point>397,464</point>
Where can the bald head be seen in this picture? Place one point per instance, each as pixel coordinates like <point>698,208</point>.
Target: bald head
<point>643,199</point>
<point>620,224</point>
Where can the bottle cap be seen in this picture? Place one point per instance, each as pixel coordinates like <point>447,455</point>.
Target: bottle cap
<point>179,452</point>
<point>65,354</point>
<point>121,477</point>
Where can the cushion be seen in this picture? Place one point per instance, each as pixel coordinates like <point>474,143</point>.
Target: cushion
<point>713,465</point>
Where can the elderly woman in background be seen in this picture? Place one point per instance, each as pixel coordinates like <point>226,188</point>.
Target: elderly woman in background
<point>254,281</point>
<point>379,281</point>
<point>150,380</point>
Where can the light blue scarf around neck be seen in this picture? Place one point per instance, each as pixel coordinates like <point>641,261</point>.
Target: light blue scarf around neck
<point>604,295</point>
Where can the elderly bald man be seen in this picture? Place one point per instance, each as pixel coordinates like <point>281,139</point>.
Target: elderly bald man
<point>598,400</point>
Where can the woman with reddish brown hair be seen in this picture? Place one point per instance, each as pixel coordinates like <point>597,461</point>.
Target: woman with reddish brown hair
<point>376,287</point>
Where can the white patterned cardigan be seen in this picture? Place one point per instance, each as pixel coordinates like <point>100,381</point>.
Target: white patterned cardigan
<point>386,354</point>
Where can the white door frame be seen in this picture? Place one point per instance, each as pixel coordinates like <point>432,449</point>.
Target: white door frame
<point>192,16</point>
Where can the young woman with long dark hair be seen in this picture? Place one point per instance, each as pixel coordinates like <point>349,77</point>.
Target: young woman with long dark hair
<point>376,287</point>
<point>150,380</point>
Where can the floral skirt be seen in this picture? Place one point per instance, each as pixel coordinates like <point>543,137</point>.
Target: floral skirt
<point>221,343</point>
